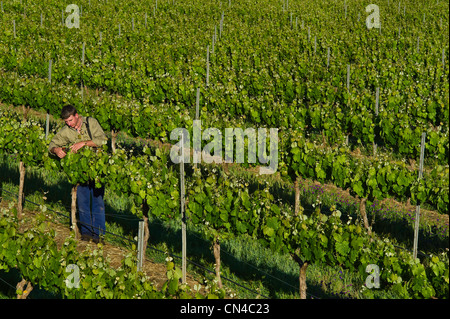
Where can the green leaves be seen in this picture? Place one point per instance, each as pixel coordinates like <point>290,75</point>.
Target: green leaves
<point>26,139</point>
<point>342,248</point>
<point>37,257</point>
<point>146,93</point>
<point>373,178</point>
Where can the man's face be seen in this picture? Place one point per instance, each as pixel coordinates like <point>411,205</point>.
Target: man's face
<point>72,121</point>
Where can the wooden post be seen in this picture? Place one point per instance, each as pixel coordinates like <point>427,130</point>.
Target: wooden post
<point>417,218</point>
<point>74,212</point>
<point>50,71</point>
<point>362,210</point>
<point>146,230</point>
<point>315,44</point>
<point>82,53</point>
<point>328,57</point>
<point>82,66</point>
<point>216,250</point>
<point>197,104</point>
<point>377,99</point>
<point>114,134</point>
<point>348,77</point>
<point>207,66</point>
<point>197,115</point>
<point>47,122</point>
<point>215,34</point>
<point>297,196</point>
<point>221,25</point>
<point>21,184</point>
<point>183,214</point>
<point>140,247</point>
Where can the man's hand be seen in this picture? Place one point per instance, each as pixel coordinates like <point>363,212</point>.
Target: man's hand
<point>58,151</point>
<point>75,147</point>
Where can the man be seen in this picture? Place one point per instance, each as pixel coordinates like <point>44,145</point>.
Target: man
<point>82,132</point>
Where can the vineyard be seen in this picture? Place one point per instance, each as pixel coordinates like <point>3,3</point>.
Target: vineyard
<point>357,111</point>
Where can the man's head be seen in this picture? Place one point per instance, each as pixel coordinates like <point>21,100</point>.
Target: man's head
<point>70,116</point>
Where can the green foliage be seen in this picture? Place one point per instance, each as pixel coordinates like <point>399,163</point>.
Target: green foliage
<point>373,178</point>
<point>36,255</point>
<point>318,238</point>
<point>281,82</point>
<point>24,139</point>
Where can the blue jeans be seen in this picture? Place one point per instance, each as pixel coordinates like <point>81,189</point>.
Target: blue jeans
<point>91,209</point>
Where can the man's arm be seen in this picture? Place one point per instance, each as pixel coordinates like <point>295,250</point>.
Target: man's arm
<point>58,151</point>
<point>56,144</point>
<point>99,137</point>
<point>75,147</point>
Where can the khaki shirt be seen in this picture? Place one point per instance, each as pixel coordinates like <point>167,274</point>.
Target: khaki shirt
<point>68,136</point>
